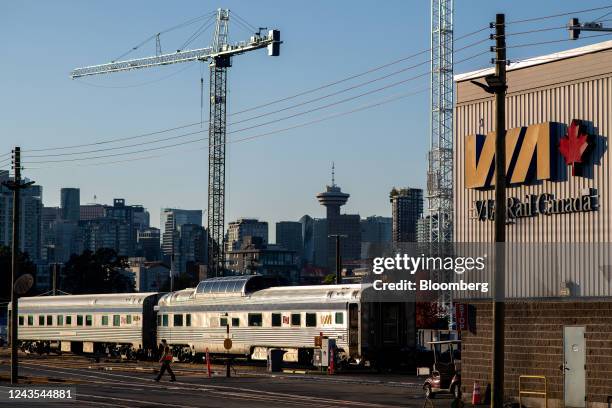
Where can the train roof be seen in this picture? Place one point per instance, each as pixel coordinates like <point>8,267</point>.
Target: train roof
<point>294,294</point>
<point>108,299</point>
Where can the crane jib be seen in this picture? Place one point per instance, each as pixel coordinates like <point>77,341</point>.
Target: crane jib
<point>201,54</point>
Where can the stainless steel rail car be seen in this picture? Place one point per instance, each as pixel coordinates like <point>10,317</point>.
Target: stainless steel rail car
<point>257,318</point>
<point>108,323</point>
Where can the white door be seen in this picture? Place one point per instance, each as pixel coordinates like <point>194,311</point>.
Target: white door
<point>574,354</point>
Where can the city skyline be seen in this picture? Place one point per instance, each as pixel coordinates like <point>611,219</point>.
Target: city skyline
<point>69,112</point>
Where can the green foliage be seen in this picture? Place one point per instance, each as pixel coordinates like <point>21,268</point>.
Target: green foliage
<point>99,272</point>
<point>25,266</point>
<point>329,279</point>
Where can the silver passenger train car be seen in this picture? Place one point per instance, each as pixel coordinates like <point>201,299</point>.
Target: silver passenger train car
<point>122,323</point>
<point>254,315</point>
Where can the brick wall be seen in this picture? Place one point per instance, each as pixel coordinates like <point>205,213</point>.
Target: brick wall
<point>534,345</point>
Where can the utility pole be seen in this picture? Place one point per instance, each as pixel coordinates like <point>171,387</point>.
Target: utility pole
<point>496,84</point>
<point>338,257</point>
<point>500,212</point>
<point>15,186</point>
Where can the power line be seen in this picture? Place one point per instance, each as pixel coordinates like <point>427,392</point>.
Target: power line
<point>242,129</point>
<point>247,128</point>
<point>266,114</point>
<point>245,139</point>
<point>555,41</point>
<point>527,20</point>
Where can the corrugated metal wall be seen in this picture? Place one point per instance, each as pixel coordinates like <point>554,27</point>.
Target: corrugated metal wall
<point>558,91</point>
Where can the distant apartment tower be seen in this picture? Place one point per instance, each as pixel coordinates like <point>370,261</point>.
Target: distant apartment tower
<point>289,236</point>
<point>170,220</point>
<point>314,233</point>
<point>375,235</point>
<point>406,209</point>
<point>190,247</point>
<point>91,212</point>
<point>238,230</point>
<point>70,204</point>
<point>376,229</point>
<point>30,220</point>
<point>423,229</point>
<point>149,244</point>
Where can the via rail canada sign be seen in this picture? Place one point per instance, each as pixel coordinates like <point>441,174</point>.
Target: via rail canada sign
<point>532,156</point>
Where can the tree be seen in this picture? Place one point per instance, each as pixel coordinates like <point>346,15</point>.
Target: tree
<point>99,272</point>
<point>329,279</point>
<point>26,266</point>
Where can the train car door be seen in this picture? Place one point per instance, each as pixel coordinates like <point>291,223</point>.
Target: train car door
<point>354,329</point>
<point>390,326</point>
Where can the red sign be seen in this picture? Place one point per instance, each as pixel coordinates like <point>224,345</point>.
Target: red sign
<point>574,144</point>
<point>461,316</point>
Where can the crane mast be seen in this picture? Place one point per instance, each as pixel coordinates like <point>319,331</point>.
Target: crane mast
<point>219,56</point>
<point>216,148</point>
<point>440,159</point>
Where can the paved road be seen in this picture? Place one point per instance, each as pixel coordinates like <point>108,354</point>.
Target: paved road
<point>131,385</point>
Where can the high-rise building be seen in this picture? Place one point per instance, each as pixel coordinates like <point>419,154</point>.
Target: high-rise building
<point>346,225</point>
<point>376,229</point>
<point>406,209</point>
<point>50,215</point>
<point>149,244</point>
<point>106,232</point>
<point>170,220</point>
<point>70,204</point>
<point>238,230</point>
<point>422,229</point>
<point>289,236</point>
<point>141,218</point>
<point>314,233</point>
<point>375,234</point>
<point>91,212</point>
<point>190,248</point>
<point>30,220</point>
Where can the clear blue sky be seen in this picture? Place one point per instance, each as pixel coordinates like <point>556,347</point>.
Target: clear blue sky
<point>273,178</point>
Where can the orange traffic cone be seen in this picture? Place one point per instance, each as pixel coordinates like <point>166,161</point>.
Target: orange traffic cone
<point>476,394</point>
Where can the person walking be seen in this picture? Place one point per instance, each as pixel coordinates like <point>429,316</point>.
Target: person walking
<point>165,360</point>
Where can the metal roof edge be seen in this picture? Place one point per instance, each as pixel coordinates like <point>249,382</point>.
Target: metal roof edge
<point>543,59</point>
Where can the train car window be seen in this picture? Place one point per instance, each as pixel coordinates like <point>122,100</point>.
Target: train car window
<point>187,320</point>
<point>88,320</point>
<point>60,320</point>
<point>68,320</point>
<point>79,320</point>
<point>276,319</point>
<point>21,320</point>
<point>116,320</point>
<point>105,320</point>
<point>178,320</point>
<point>159,320</point>
<point>235,321</point>
<point>255,319</point>
<point>41,320</point>
<point>30,320</point>
<point>49,320</point>
<point>128,319</point>
<point>223,321</point>
<point>165,320</point>
<point>296,319</point>
<point>311,319</point>
<point>339,318</point>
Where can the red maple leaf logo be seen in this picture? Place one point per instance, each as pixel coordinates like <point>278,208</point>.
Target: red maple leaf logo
<point>574,144</point>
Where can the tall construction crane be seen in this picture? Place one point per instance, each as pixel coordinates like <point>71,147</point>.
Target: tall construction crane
<point>219,55</point>
<point>440,159</point>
